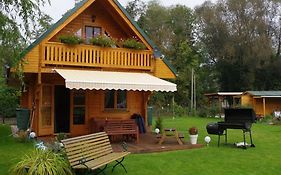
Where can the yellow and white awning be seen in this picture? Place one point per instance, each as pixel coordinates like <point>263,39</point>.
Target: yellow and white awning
<point>82,79</point>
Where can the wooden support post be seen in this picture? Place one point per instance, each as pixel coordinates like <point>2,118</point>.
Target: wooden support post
<point>263,99</point>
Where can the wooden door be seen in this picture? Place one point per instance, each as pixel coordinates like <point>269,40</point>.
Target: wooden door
<point>46,116</point>
<point>78,113</point>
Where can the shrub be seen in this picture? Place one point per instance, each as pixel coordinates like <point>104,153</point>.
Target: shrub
<point>159,123</point>
<point>203,112</point>
<point>41,162</point>
<point>133,44</point>
<point>8,101</point>
<point>61,136</point>
<point>70,39</point>
<point>22,136</point>
<point>103,41</point>
<point>179,110</point>
<point>266,119</point>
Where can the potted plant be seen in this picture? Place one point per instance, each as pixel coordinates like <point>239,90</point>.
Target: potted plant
<point>70,39</point>
<point>132,43</point>
<point>193,135</point>
<point>103,41</point>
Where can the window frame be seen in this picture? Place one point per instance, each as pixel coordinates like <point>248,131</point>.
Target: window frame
<point>78,105</point>
<point>115,98</point>
<point>93,32</point>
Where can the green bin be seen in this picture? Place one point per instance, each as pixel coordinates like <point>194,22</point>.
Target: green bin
<point>149,115</point>
<point>22,118</point>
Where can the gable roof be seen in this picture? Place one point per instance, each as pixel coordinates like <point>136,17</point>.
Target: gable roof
<point>157,52</point>
<point>264,93</point>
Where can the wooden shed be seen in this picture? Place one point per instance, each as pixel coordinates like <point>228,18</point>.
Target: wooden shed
<point>69,86</point>
<point>263,102</point>
<point>223,99</point>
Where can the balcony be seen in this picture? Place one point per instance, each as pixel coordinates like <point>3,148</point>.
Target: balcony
<point>58,54</point>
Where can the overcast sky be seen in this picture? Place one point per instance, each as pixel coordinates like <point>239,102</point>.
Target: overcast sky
<point>59,7</point>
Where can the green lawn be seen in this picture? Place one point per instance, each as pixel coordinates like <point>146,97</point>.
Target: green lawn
<point>264,159</point>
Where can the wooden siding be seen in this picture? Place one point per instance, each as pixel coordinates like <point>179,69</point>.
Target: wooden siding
<point>257,103</point>
<point>31,60</point>
<point>93,56</point>
<point>136,103</point>
<point>162,70</point>
<point>247,100</point>
<point>103,19</point>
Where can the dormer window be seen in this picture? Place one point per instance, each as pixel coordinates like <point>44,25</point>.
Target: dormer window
<point>91,32</point>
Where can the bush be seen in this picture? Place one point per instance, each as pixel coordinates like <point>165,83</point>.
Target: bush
<point>8,101</point>
<point>159,124</point>
<point>133,44</point>
<point>70,39</point>
<point>103,41</point>
<point>41,162</point>
<point>266,119</point>
<point>203,112</point>
<point>179,110</point>
<point>22,136</point>
<point>61,136</point>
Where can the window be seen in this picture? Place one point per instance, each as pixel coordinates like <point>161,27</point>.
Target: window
<point>78,107</point>
<point>92,32</point>
<point>115,99</point>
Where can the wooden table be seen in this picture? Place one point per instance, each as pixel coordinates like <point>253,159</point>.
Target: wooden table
<point>170,132</point>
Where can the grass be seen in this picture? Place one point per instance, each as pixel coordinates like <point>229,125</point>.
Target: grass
<point>11,150</point>
<point>226,159</point>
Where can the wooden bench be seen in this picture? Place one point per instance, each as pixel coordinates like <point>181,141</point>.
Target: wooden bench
<point>92,152</point>
<point>122,127</point>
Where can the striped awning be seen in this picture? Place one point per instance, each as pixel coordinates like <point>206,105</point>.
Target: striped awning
<point>82,79</point>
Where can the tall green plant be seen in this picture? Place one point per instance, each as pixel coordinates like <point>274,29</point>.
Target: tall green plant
<point>159,124</point>
<point>41,162</point>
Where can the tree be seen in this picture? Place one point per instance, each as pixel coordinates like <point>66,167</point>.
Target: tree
<point>44,23</point>
<point>171,28</point>
<point>136,9</point>
<point>17,20</point>
<point>238,36</point>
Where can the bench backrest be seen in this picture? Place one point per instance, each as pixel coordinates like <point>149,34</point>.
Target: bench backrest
<point>123,125</point>
<point>87,147</point>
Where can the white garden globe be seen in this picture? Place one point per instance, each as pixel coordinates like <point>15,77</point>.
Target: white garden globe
<point>207,139</point>
<point>32,135</point>
<point>157,131</point>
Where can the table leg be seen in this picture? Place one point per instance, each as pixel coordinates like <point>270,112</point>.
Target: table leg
<point>177,137</point>
<point>162,138</point>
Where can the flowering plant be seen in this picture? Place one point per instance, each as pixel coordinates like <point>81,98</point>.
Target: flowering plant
<point>132,43</point>
<point>193,130</point>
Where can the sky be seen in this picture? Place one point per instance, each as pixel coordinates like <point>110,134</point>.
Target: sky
<point>59,7</point>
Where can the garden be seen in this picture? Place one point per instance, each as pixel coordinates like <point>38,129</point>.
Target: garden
<point>226,159</point>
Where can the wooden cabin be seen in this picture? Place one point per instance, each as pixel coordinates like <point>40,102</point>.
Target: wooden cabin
<point>69,86</point>
<point>263,102</point>
<point>223,99</point>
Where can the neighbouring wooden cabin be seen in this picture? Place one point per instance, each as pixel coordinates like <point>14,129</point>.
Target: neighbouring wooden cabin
<point>223,99</point>
<point>72,85</point>
<point>263,102</point>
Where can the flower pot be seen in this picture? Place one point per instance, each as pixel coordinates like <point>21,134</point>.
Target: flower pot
<point>193,139</point>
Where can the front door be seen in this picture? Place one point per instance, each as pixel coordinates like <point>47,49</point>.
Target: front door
<point>62,109</point>
<point>46,120</point>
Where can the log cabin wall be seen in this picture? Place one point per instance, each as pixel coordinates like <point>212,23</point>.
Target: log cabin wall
<point>247,100</point>
<point>45,117</point>
<point>96,16</point>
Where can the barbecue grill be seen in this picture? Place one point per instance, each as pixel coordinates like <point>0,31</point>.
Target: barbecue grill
<point>234,118</point>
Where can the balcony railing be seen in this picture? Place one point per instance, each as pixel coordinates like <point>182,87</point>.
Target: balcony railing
<point>93,56</point>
